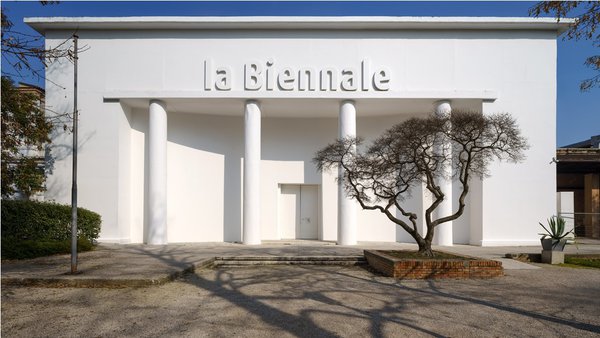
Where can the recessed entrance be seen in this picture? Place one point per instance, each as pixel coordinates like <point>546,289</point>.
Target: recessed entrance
<point>298,214</point>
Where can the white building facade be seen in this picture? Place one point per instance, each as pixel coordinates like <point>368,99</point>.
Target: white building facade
<point>203,129</point>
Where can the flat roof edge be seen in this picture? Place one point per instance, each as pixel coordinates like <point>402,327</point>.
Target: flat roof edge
<point>43,24</point>
<point>484,95</point>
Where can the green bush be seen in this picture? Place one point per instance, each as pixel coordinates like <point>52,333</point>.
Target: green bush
<point>22,249</point>
<point>31,220</point>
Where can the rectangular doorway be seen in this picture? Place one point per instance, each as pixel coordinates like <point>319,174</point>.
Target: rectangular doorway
<point>298,211</point>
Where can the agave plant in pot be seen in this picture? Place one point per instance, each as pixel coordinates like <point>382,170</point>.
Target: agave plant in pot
<point>555,237</point>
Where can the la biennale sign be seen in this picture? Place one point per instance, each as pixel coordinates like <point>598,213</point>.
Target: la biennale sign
<point>271,77</point>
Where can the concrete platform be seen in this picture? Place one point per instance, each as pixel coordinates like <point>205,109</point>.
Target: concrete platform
<point>125,265</point>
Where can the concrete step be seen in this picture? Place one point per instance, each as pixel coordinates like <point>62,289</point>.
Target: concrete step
<point>287,260</point>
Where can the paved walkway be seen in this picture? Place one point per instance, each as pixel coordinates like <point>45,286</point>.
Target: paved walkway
<point>136,265</point>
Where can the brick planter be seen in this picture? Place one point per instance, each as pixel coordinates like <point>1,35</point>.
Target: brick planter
<point>464,267</point>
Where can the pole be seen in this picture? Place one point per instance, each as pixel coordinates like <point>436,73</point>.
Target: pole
<point>74,185</point>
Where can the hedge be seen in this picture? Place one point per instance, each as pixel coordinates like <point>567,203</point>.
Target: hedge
<point>23,249</point>
<point>31,220</point>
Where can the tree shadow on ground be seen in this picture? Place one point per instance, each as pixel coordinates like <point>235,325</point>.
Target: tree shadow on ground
<point>433,289</point>
<point>229,287</point>
<point>327,288</point>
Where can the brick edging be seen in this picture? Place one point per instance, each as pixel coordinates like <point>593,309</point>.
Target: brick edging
<point>431,268</point>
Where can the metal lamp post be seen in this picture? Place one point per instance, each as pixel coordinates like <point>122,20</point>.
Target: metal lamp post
<point>74,185</point>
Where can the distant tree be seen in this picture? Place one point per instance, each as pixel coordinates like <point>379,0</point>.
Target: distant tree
<point>584,28</point>
<point>21,51</point>
<point>25,124</point>
<point>24,127</point>
<point>381,176</point>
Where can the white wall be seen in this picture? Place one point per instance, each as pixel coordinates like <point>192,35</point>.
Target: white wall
<point>103,143</point>
<point>205,150</point>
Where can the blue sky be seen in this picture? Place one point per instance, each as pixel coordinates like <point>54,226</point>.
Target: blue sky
<point>578,114</point>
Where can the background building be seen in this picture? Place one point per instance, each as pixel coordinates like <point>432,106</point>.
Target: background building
<point>578,173</point>
<point>30,153</point>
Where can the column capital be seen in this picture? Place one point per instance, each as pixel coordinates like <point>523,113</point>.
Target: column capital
<point>159,102</point>
<point>443,107</point>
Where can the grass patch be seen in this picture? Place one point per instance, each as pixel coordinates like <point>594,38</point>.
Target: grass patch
<point>405,254</point>
<point>24,249</point>
<point>592,262</point>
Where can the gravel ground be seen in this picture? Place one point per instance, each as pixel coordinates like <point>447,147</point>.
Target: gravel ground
<point>311,301</point>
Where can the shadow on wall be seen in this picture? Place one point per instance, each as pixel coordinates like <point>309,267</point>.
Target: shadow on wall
<point>221,135</point>
<point>297,139</point>
<point>222,138</point>
<point>59,110</point>
<point>224,135</point>
<point>61,149</point>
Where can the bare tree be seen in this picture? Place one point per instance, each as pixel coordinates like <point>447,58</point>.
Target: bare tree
<point>21,51</point>
<point>585,27</point>
<point>381,176</point>
<point>26,121</point>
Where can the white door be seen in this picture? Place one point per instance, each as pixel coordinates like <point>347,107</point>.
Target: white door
<point>289,210</point>
<point>309,213</point>
<point>299,211</point>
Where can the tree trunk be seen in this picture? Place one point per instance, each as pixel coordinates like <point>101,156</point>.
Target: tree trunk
<point>425,248</point>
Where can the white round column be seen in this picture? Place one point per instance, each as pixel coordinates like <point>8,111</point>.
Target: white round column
<point>157,173</point>
<point>444,230</point>
<point>251,219</point>
<point>346,207</point>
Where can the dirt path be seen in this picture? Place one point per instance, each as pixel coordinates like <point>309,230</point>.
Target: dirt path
<point>315,301</point>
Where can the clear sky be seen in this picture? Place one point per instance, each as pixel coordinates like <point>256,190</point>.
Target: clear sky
<point>578,114</point>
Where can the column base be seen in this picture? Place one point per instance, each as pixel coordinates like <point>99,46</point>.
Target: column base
<point>347,243</point>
